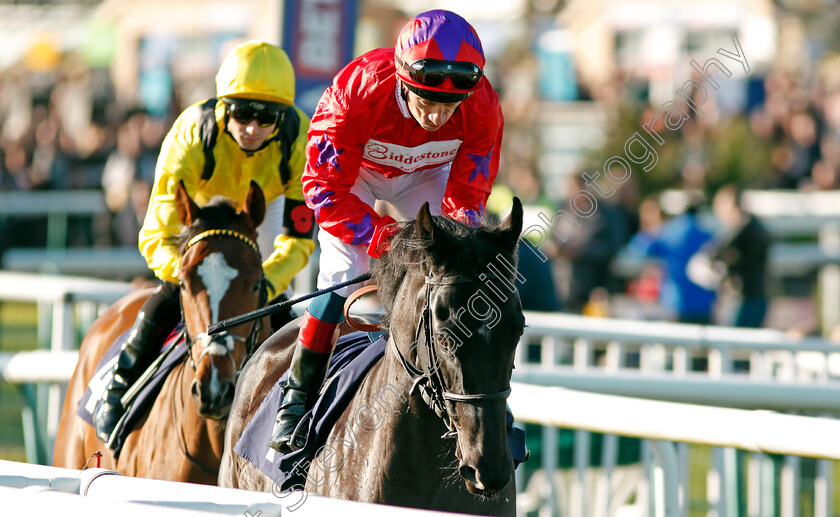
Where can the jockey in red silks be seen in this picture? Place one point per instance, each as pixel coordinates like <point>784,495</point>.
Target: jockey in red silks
<point>416,123</point>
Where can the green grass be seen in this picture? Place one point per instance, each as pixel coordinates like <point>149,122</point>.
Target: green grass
<point>18,331</point>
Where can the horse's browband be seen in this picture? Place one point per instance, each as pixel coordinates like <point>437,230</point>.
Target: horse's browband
<point>222,233</point>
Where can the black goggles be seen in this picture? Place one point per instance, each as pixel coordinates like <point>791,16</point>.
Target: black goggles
<point>432,72</point>
<point>244,115</point>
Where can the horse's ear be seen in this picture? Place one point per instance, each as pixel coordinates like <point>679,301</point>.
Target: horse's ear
<point>185,206</point>
<point>511,227</point>
<point>424,225</point>
<point>255,204</point>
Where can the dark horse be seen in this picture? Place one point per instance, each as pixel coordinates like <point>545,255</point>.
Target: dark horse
<point>426,428</point>
<point>221,276</point>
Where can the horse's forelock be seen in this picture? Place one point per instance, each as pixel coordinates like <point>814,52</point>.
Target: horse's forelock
<point>217,213</point>
<point>458,250</point>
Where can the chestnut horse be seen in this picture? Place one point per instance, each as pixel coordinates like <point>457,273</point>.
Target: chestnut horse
<point>220,276</point>
<point>426,427</point>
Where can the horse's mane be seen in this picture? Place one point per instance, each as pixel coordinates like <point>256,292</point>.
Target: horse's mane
<point>458,250</point>
<point>219,212</point>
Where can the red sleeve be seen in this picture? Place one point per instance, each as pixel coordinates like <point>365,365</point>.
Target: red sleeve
<point>340,127</point>
<point>477,162</point>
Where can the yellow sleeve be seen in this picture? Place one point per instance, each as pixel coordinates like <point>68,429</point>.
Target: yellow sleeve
<point>290,255</point>
<point>181,159</point>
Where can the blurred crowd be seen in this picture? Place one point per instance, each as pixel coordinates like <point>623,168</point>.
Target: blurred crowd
<point>65,130</point>
<point>707,260</point>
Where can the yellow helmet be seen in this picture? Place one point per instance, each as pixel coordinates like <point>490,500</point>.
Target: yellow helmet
<point>257,70</point>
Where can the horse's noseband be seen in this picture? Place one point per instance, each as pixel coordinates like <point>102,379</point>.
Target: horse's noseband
<point>250,341</point>
<point>430,383</point>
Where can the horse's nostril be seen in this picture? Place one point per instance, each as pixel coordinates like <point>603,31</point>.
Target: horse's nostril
<point>227,391</point>
<point>469,474</point>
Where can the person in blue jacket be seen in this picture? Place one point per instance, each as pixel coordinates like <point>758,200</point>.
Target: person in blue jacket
<point>675,243</point>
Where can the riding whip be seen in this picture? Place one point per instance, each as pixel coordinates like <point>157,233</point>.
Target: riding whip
<point>235,321</point>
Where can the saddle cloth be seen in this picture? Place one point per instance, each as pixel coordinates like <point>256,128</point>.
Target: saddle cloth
<point>353,357</point>
<point>92,397</point>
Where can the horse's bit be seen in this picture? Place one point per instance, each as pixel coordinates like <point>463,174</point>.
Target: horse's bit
<point>431,384</point>
<point>256,328</point>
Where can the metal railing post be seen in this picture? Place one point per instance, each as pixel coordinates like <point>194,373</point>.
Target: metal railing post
<point>666,484</point>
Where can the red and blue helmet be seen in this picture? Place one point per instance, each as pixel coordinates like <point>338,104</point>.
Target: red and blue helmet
<point>439,57</point>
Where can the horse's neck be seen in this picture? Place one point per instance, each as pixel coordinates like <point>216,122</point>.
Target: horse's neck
<point>401,418</point>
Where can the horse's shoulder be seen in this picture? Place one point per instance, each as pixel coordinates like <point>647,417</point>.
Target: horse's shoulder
<point>115,320</point>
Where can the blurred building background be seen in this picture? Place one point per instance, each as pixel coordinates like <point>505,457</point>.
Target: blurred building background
<point>89,88</point>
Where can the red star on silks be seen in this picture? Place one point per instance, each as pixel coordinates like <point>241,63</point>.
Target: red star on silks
<point>482,165</point>
<point>327,153</point>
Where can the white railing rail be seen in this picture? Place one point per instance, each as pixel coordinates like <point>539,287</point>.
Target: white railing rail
<point>666,422</point>
<point>38,366</point>
<point>38,490</point>
<point>608,352</point>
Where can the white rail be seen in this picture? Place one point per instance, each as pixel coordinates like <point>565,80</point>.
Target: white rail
<point>660,360</point>
<point>38,490</point>
<point>751,430</point>
<point>38,366</point>
<point>667,422</point>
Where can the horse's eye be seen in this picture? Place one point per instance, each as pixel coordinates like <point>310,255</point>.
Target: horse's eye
<point>257,286</point>
<point>442,313</point>
<point>181,284</point>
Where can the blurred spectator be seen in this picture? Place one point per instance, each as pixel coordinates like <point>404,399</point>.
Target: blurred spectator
<point>598,305</point>
<point>15,166</point>
<point>644,290</point>
<point>537,292</point>
<point>126,224</point>
<point>823,177</point>
<point>743,252</point>
<point>675,243</point>
<point>119,176</point>
<point>591,248</point>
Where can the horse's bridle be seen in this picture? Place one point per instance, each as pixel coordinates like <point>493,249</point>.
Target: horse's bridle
<point>431,384</point>
<point>256,328</point>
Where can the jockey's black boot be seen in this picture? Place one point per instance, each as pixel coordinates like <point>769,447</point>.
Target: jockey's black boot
<point>135,355</point>
<point>306,373</point>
